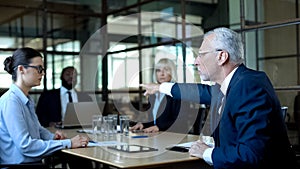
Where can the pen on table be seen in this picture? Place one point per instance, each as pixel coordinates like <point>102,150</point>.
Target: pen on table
<point>142,136</point>
<point>91,141</point>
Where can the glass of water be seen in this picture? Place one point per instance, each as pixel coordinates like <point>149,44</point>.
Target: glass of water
<point>115,122</point>
<point>124,124</point>
<point>96,123</point>
<point>108,125</point>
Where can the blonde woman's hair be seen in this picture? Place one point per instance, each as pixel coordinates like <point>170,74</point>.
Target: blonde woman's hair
<point>166,63</point>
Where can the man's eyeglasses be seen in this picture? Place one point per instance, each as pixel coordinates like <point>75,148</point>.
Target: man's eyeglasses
<point>202,53</point>
<point>39,68</point>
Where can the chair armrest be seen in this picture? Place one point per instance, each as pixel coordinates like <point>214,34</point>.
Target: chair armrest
<point>38,165</point>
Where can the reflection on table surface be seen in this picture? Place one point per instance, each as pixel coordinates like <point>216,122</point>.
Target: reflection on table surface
<point>161,157</point>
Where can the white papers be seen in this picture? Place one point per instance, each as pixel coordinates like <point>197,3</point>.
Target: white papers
<point>89,131</point>
<point>208,140</point>
<point>185,145</point>
<point>105,143</point>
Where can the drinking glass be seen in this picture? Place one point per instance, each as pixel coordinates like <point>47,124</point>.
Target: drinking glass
<point>115,122</point>
<point>124,124</point>
<point>96,123</point>
<point>108,125</point>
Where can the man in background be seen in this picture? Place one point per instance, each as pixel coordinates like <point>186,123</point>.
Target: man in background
<point>52,104</point>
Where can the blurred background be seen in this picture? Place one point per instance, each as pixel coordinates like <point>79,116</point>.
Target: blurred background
<point>114,44</point>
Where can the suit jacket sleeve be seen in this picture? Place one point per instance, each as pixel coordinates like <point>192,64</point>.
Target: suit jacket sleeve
<point>174,116</point>
<point>169,115</point>
<point>164,120</point>
<point>149,109</point>
<point>198,93</point>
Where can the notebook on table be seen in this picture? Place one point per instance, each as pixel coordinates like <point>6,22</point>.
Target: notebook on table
<point>80,114</point>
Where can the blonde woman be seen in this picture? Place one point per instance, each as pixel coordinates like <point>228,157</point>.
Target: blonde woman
<point>162,110</point>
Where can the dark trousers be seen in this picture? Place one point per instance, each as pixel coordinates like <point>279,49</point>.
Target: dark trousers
<point>70,160</point>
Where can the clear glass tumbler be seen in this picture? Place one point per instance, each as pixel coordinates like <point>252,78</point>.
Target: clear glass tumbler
<point>124,124</point>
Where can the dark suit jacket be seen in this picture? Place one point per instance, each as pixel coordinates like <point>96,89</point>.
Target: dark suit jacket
<point>167,112</point>
<point>49,106</point>
<point>171,115</point>
<point>252,133</point>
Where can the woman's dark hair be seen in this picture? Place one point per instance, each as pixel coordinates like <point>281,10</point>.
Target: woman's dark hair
<point>21,56</point>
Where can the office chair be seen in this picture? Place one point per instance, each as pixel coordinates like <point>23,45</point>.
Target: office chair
<point>200,120</point>
<point>49,162</point>
<point>297,124</point>
<point>38,165</point>
<point>33,166</point>
<point>2,91</point>
<point>54,160</point>
<point>297,115</point>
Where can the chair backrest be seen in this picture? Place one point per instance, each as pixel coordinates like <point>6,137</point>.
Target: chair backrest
<point>37,165</point>
<point>297,115</point>
<point>2,91</point>
<point>284,111</point>
<point>200,120</point>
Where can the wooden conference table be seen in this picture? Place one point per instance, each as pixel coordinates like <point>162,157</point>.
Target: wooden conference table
<point>160,158</point>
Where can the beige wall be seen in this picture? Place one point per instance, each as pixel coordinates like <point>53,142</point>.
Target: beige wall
<point>281,42</point>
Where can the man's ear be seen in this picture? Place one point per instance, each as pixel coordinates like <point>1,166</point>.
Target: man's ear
<point>222,57</point>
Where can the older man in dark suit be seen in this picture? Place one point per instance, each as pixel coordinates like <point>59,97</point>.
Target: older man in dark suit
<point>52,104</point>
<point>247,127</point>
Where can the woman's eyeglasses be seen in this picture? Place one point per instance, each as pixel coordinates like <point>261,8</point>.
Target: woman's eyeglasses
<point>39,68</point>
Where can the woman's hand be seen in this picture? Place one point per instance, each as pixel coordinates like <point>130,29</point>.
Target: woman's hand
<point>79,141</point>
<point>152,129</point>
<point>59,135</point>
<point>138,126</point>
